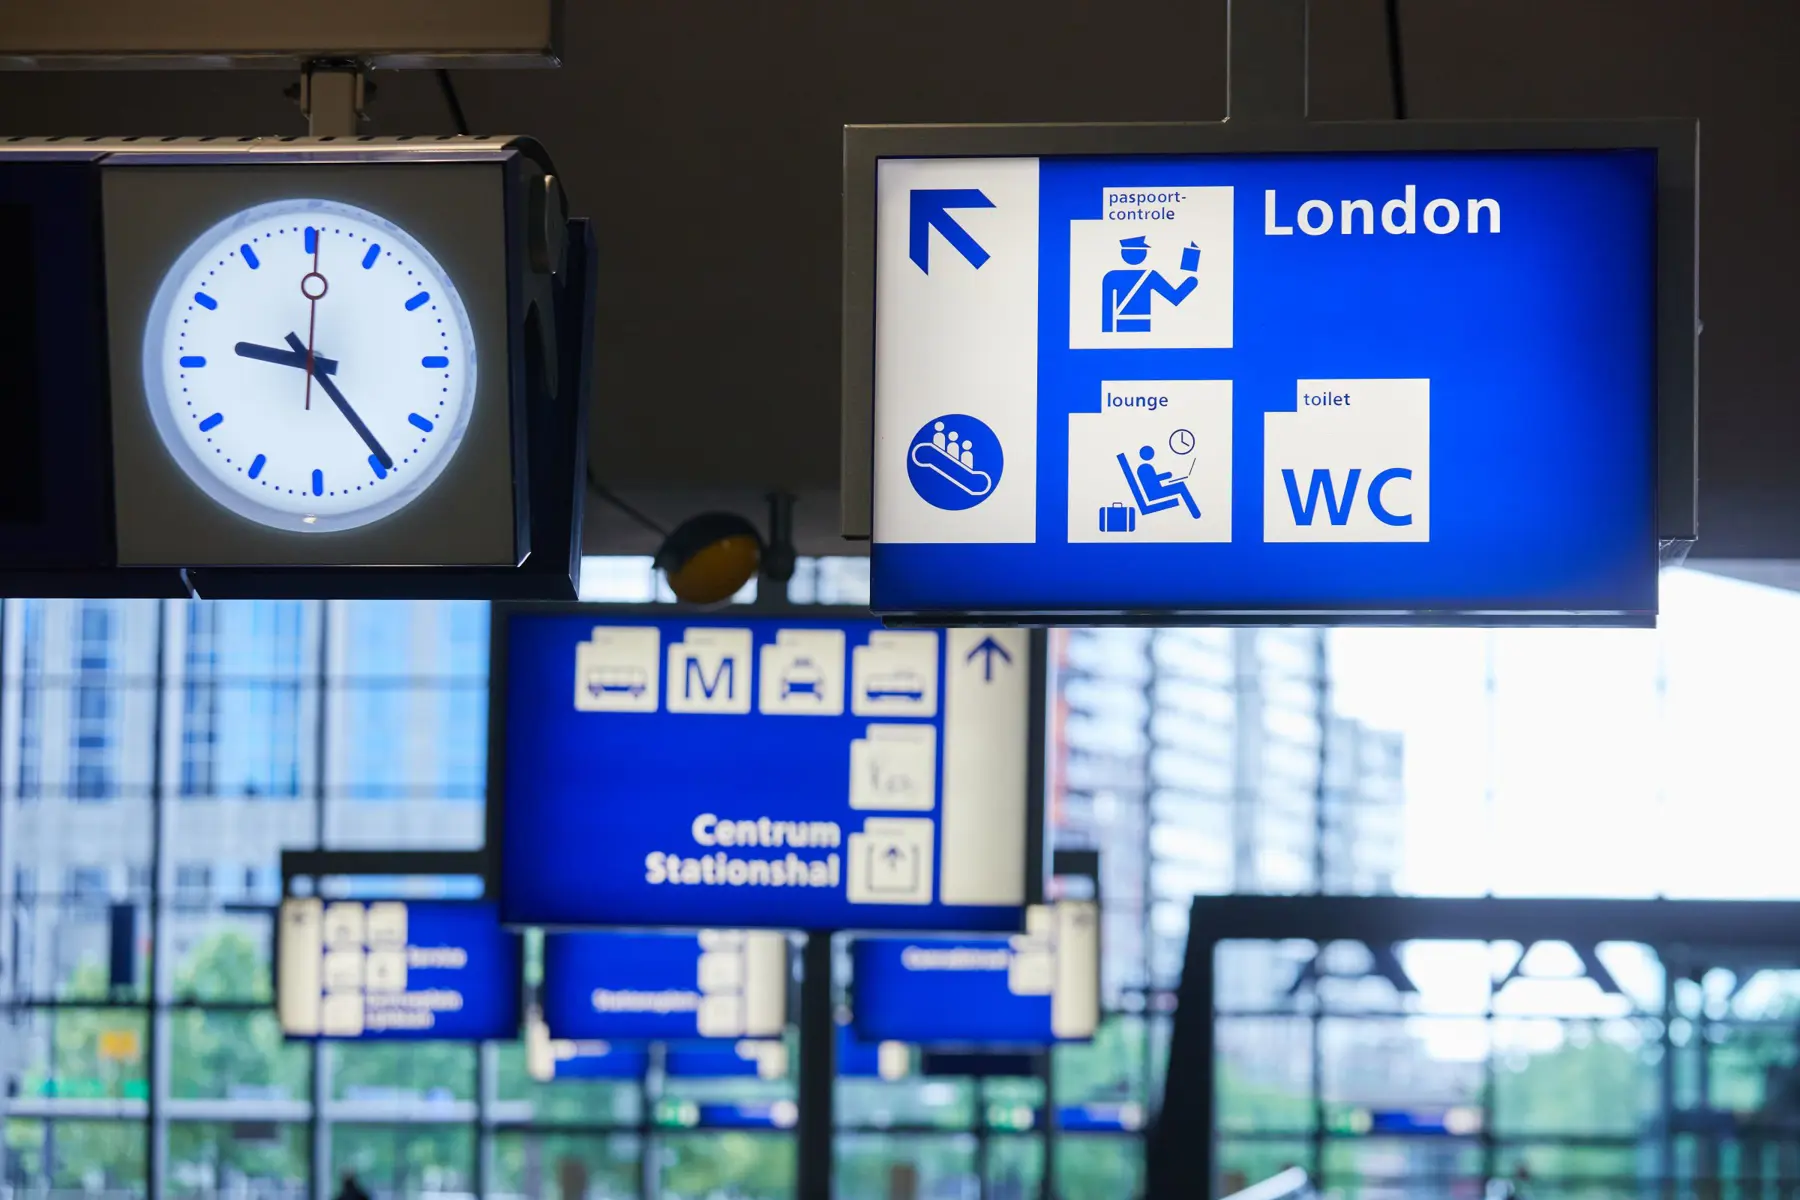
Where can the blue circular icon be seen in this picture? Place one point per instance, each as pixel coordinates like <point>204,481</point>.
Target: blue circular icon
<point>954,462</point>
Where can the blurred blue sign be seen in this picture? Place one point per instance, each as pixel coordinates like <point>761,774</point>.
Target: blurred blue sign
<point>1126,1117</point>
<point>1415,1122</point>
<point>751,770</point>
<point>753,1058</point>
<point>1328,383</point>
<point>857,1059</point>
<point>1034,988</point>
<point>598,1060</point>
<point>397,969</point>
<point>717,983</point>
<point>703,1114</point>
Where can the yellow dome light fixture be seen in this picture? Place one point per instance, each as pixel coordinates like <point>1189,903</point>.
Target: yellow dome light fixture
<point>708,559</point>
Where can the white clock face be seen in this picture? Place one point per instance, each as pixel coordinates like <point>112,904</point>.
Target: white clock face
<point>309,365</point>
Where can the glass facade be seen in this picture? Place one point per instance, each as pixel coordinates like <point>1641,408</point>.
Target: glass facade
<point>156,758</point>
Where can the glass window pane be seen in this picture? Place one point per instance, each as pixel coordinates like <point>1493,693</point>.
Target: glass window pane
<point>407,724</point>
<point>401,1075</point>
<point>403,1161</point>
<point>871,1164</point>
<point>1244,1163</point>
<point>1263,1080</point>
<point>1098,1165</point>
<point>1427,1166</point>
<point>1112,1067</point>
<point>557,1166</point>
<point>879,1104</point>
<point>1577,1077</point>
<point>1402,1064</point>
<point>1015,1167</point>
<point>239,1158</point>
<point>75,1053</point>
<point>222,957</point>
<point>593,1102</point>
<point>235,1056</point>
<point>65,1157</point>
<point>744,1166</point>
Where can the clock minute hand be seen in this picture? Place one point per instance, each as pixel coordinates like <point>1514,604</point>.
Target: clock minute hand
<point>283,358</point>
<point>331,389</point>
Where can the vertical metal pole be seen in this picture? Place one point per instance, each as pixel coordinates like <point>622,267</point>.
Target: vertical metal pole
<point>818,1030</point>
<point>649,1147</point>
<point>1490,1151</point>
<point>487,1094</point>
<point>1665,1077</point>
<point>10,901</point>
<point>1265,73</point>
<point>982,1187</point>
<point>1180,1147</point>
<point>1047,1181</point>
<point>1321,827</point>
<point>777,569</point>
<point>332,95</point>
<point>318,1129</point>
<point>1146,893</point>
<point>156,1041</point>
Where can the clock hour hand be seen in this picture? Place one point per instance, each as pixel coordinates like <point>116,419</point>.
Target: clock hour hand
<point>284,358</point>
<point>331,389</point>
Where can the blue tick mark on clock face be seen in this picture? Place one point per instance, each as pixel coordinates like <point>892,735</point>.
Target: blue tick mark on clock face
<point>205,301</point>
<point>380,471</point>
<point>419,422</point>
<point>418,301</point>
<point>250,258</point>
<point>318,482</point>
<point>211,423</point>
<point>373,254</point>
<point>434,360</point>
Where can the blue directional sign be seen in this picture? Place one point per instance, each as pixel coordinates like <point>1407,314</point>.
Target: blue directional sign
<point>857,1059</point>
<point>719,983</point>
<point>679,1113</point>
<point>1376,383</point>
<point>397,970</point>
<point>1034,988</point>
<point>764,771</point>
<point>595,1060</point>
<point>752,1057</point>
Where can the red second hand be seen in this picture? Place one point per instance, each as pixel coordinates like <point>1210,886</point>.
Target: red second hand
<point>312,319</point>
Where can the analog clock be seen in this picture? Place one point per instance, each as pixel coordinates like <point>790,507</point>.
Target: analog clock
<point>309,365</point>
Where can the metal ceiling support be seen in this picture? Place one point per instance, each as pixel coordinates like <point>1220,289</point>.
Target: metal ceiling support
<point>1266,67</point>
<point>332,95</point>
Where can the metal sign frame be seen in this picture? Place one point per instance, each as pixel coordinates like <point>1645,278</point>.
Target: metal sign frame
<point>1676,324</point>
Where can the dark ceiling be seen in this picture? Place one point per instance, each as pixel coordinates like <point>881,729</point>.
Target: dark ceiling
<point>704,136</point>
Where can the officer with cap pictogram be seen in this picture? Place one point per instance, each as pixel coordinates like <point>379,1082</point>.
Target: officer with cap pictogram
<point>1125,293</point>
